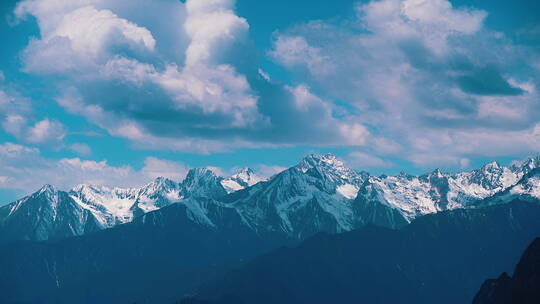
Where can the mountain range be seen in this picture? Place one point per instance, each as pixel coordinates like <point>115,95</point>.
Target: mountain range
<point>318,230</point>
<point>50,213</point>
<point>320,194</point>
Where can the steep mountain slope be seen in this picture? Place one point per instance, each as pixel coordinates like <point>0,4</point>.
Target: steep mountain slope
<point>308,198</point>
<point>523,287</point>
<point>148,260</point>
<point>46,214</point>
<point>439,258</point>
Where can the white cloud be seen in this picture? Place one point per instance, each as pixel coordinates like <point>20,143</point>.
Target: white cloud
<point>355,134</point>
<point>364,161</point>
<point>155,167</point>
<point>441,161</point>
<point>441,14</point>
<point>186,84</point>
<point>295,50</point>
<point>46,131</point>
<point>81,149</point>
<point>402,78</point>
<point>208,38</point>
<point>418,77</point>
<point>91,31</point>
<point>81,39</point>
<point>14,124</point>
<point>218,89</point>
<point>13,151</point>
<point>432,21</point>
<point>17,119</point>
<point>24,169</point>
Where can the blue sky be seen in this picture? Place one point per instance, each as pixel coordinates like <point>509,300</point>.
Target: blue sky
<point>118,92</point>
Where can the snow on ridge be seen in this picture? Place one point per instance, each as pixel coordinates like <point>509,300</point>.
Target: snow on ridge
<point>320,191</point>
<point>429,193</point>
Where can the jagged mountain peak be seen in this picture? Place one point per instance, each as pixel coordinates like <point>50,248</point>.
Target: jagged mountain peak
<point>160,183</point>
<point>243,178</point>
<point>247,177</point>
<point>320,160</point>
<point>526,165</point>
<point>47,189</point>
<point>243,174</point>
<point>331,169</point>
<point>45,214</point>
<point>244,171</point>
<point>437,173</point>
<point>162,180</point>
<point>490,167</point>
<point>202,182</point>
<point>198,172</point>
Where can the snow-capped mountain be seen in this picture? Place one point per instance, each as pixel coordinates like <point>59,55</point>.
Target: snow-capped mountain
<point>50,213</point>
<point>46,214</point>
<point>414,196</point>
<point>158,194</point>
<point>318,194</point>
<point>242,179</point>
<point>526,189</point>
<point>202,182</point>
<point>113,206</point>
<point>313,196</point>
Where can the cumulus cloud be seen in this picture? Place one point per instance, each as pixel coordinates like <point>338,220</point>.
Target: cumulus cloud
<point>427,78</point>
<point>24,170</point>
<point>123,72</point>
<point>45,131</point>
<point>17,119</point>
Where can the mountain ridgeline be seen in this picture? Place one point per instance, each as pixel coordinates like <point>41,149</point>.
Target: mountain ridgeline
<point>348,235</point>
<point>320,194</point>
